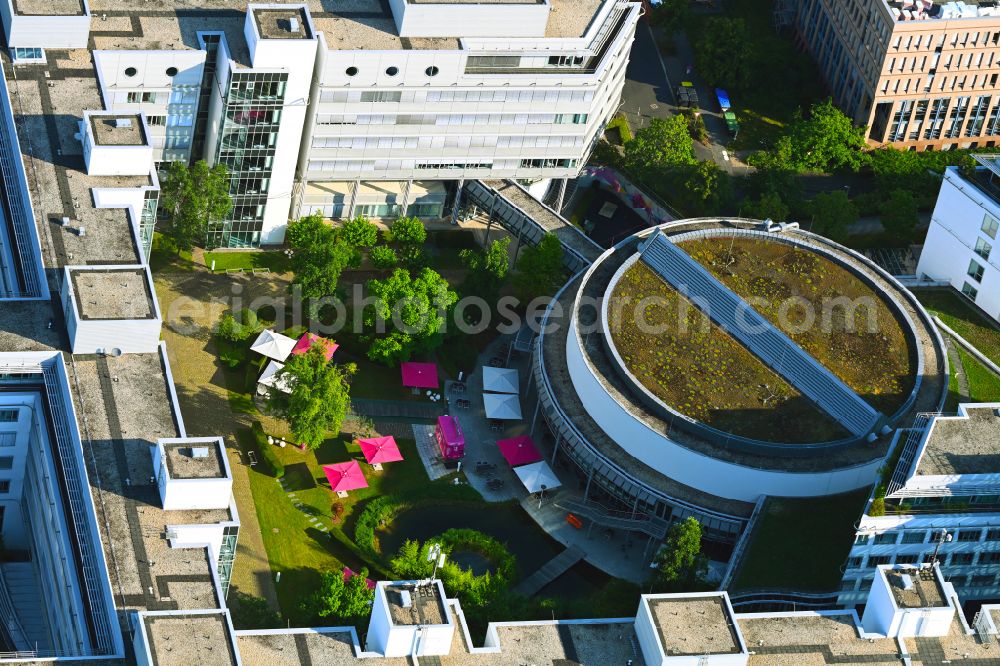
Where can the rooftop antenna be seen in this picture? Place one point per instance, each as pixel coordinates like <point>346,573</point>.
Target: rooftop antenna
<point>438,557</point>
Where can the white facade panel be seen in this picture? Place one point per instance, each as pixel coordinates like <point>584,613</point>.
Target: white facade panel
<point>426,19</point>
<point>47,32</point>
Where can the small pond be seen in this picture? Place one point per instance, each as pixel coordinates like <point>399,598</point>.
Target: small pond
<point>510,525</point>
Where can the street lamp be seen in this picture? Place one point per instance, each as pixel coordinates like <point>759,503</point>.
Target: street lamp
<point>943,537</point>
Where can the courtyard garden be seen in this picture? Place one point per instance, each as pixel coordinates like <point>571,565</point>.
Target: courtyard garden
<point>699,370</point>
<point>829,312</point>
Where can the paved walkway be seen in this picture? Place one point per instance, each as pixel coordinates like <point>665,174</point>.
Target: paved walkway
<point>955,360</point>
<point>549,571</point>
<point>428,449</point>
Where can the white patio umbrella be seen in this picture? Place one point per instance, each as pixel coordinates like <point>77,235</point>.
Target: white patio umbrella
<point>500,380</point>
<point>503,406</point>
<point>273,345</point>
<point>271,377</point>
<point>537,476</point>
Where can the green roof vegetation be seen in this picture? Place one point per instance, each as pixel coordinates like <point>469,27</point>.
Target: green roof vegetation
<point>699,370</point>
<point>870,351</point>
<point>961,316</point>
<point>800,544</point>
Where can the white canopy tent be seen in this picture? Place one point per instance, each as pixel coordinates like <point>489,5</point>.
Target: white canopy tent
<point>272,378</point>
<point>502,406</point>
<point>273,345</point>
<point>500,380</point>
<point>537,476</point>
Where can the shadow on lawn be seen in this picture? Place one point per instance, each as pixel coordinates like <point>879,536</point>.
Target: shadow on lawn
<point>298,476</point>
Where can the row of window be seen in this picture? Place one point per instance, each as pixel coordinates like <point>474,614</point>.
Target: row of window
<point>397,165</point>
<point>8,415</point>
<point>944,559</point>
<point>453,119</point>
<point>413,142</point>
<point>964,60</point>
<point>393,71</point>
<point>408,96</point>
<point>928,536</point>
<point>976,580</point>
<point>915,40</point>
<point>908,85</point>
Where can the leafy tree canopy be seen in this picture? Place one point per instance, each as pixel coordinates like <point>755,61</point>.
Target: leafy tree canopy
<point>239,327</point>
<point>681,564</point>
<point>770,206</point>
<point>899,215</point>
<point>194,196</point>
<point>487,268</point>
<point>540,270</point>
<point>827,140</point>
<point>360,232</point>
<point>250,612</point>
<point>412,310</point>
<point>383,256</point>
<point>663,144</point>
<point>320,395</point>
<point>725,53</point>
<point>335,599</point>
<point>319,255</point>
<point>407,231</point>
<point>706,186</point>
<point>671,15</point>
<point>832,213</point>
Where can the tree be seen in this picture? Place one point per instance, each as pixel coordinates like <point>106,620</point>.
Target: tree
<point>671,15</point>
<point>348,601</point>
<point>832,213</point>
<point>680,564</point>
<point>407,231</point>
<point>540,270</point>
<point>194,196</point>
<point>664,143</point>
<point>769,206</point>
<point>725,53</point>
<point>487,269</point>
<point>319,255</point>
<point>383,256</point>
<point>706,187</point>
<point>413,311</point>
<point>320,395</point>
<point>360,232</point>
<point>827,140</point>
<point>899,215</point>
<point>239,327</point>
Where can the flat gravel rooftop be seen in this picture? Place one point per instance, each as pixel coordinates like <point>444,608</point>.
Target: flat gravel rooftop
<point>959,445</point>
<point>121,294</point>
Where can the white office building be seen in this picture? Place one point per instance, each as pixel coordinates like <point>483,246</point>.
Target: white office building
<point>961,246</point>
<point>942,505</point>
<point>314,106</point>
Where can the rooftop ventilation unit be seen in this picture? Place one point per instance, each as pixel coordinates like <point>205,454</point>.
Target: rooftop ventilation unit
<point>405,600</point>
<point>293,24</point>
<point>199,452</point>
<point>907,581</point>
<point>122,123</point>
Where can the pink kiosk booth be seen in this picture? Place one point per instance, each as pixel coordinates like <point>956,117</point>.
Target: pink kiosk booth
<point>449,438</point>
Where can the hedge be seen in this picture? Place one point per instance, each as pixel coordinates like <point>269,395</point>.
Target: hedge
<point>267,452</point>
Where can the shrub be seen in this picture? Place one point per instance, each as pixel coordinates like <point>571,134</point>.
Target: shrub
<point>408,231</point>
<point>360,232</point>
<point>267,453</point>
<point>383,256</point>
<point>620,123</point>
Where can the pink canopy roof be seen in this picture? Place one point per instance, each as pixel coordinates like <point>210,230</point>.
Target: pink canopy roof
<point>345,476</point>
<point>380,450</point>
<point>307,340</point>
<point>349,574</point>
<point>519,450</point>
<point>420,375</point>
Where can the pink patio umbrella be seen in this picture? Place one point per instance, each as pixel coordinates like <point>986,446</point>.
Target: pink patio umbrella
<point>345,476</point>
<point>420,375</point>
<point>519,450</point>
<point>307,340</point>
<point>378,450</point>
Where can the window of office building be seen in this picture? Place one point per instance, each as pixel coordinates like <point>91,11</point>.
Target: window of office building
<point>886,537</point>
<point>855,562</point>
<point>8,415</point>
<point>381,96</point>
<point>970,291</point>
<point>906,559</point>
<point>876,560</point>
<point>989,558</point>
<point>6,462</point>
<point>914,536</point>
<point>970,535</point>
<point>862,539</point>
<point>4,486</point>
<point>975,272</point>
<point>983,248</point>
<point>961,559</point>
<point>982,580</point>
<point>139,97</point>
<point>990,226</point>
<point>21,54</point>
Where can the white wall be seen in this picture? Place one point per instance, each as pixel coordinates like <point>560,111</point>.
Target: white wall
<point>470,20</point>
<point>686,466</point>
<point>955,226</point>
<point>139,336</point>
<point>392,640</point>
<point>48,32</point>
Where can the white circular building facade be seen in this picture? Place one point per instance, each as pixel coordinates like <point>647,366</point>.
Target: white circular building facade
<point>635,451</point>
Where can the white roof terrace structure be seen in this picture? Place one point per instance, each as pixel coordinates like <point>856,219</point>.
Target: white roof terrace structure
<point>193,473</point>
<point>111,309</point>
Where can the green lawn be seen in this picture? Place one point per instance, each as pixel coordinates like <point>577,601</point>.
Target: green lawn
<point>164,256</point>
<point>800,544</point>
<point>984,385</point>
<point>960,316</point>
<point>295,545</point>
<point>274,261</point>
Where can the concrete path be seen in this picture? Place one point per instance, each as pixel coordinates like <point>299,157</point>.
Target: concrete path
<point>400,409</point>
<point>955,360</point>
<point>549,571</point>
<point>428,449</point>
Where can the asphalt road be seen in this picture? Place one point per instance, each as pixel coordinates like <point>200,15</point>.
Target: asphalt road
<point>649,92</point>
